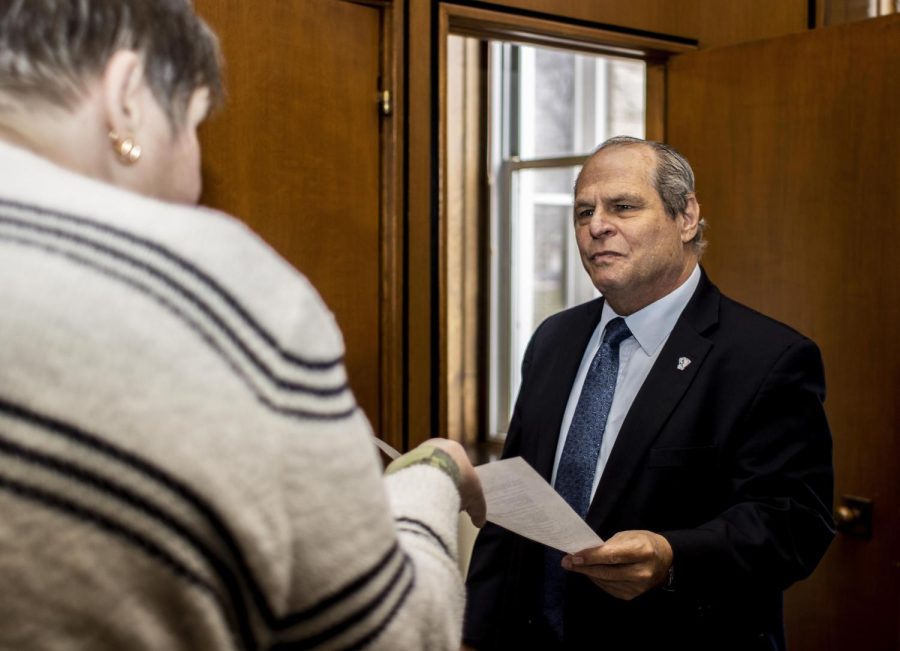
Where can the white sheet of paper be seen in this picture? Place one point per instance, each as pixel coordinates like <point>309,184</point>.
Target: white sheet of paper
<point>520,500</point>
<point>387,449</point>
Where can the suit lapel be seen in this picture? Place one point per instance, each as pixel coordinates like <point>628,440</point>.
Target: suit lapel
<point>662,391</point>
<point>560,375</point>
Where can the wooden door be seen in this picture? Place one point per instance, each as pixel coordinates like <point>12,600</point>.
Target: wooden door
<point>296,153</point>
<point>795,142</point>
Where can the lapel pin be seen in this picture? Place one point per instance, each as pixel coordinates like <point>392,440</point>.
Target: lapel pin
<point>683,363</point>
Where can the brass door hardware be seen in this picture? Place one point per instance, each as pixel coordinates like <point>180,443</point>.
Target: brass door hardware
<point>853,516</point>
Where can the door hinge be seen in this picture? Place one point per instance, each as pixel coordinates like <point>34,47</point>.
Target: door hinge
<point>385,102</point>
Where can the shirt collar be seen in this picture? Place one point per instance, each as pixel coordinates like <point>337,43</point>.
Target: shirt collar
<point>652,324</point>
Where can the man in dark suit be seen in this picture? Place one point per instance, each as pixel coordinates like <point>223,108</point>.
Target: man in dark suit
<point>692,439</point>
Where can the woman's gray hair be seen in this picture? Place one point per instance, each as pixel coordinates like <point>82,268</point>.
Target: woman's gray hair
<point>673,179</point>
<point>50,50</point>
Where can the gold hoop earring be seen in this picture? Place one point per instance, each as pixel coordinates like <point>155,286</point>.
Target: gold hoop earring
<point>128,151</point>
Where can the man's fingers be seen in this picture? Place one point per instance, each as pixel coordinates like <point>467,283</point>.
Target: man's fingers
<point>623,572</point>
<point>623,548</point>
<point>627,565</point>
<point>612,555</point>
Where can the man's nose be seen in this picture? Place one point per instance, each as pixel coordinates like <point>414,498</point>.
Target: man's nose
<point>600,224</point>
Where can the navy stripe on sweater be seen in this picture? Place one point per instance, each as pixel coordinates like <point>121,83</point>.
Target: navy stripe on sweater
<point>118,491</point>
<point>189,268</point>
<point>205,336</point>
<point>214,320</point>
<point>206,512</point>
<point>421,528</point>
<point>354,618</point>
<point>136,540</point>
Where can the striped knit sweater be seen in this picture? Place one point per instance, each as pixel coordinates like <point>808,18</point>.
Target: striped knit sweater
<point>182,463</point>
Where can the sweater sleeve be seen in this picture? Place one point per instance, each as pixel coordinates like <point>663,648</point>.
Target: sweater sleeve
<point>425,505</point>
<point>373,560</point>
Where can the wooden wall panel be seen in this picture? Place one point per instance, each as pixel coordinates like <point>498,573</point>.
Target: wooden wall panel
<point>795,145</point>
<point>296,153</point>
<point>711,22</point>
<point>465,235</point>
<point>421,260</point>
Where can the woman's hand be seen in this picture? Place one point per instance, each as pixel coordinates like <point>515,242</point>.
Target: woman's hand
<point>470,492</point>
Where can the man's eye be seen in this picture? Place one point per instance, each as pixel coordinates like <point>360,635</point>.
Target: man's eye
<point>624,207</point>
<point>585,213</point>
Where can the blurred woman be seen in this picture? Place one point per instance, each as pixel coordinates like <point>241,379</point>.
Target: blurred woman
<point>182,463</point>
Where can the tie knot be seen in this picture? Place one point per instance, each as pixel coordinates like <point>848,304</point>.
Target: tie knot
<point>616,332</point>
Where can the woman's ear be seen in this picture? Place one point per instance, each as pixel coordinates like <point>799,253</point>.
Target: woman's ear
<point>123,86</point>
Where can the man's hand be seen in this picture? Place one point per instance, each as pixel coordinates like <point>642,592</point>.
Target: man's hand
<point>627,565</point>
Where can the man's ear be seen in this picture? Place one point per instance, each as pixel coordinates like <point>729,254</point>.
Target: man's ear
<point>690,219</point>
<point>123,86</point>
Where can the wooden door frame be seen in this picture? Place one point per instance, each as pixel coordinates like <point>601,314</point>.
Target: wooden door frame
<point>392,348</point>
<point>392,354</point>
<point>392,357</point>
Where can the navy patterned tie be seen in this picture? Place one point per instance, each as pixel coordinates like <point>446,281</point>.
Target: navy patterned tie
<point>578,463</point>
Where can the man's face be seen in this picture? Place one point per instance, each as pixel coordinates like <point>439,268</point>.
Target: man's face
<point>633,251</point>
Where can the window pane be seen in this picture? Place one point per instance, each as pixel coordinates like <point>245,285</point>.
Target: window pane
<point>549,271</point>
<point>626,98</point>
<point>553,98</point>
<point>546,104</point>
<point>569,102</point>
<point>546,274</point>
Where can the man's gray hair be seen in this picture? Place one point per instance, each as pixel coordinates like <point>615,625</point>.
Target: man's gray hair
<point>673,179</point>
<point>50,50</point>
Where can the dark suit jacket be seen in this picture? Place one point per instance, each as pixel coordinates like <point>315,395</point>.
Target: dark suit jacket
<point>730,459</point>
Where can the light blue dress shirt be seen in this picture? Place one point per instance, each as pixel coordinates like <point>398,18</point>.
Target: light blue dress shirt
<point>650,328</point>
